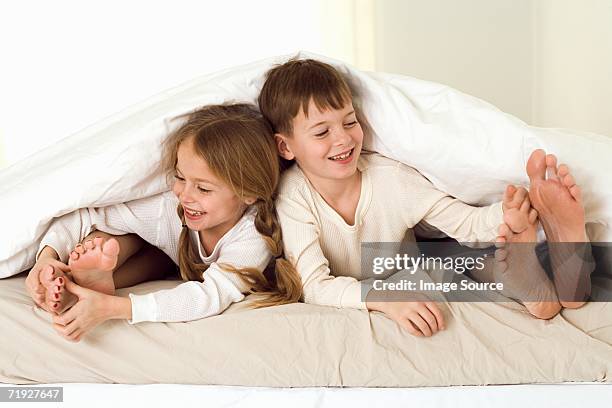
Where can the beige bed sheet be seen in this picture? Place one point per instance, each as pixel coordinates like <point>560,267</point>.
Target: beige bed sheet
<point>304,345</point>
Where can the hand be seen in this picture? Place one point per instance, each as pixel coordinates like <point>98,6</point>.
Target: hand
<point>35,289</point>
<point>90,310</point>
<point>419,318</point>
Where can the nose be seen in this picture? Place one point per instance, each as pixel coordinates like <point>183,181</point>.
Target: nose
<point>183,192</point>
<point>342,137</point>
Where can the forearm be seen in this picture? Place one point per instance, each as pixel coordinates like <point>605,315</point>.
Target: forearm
<point>336,291</point>
<point>464,222</point>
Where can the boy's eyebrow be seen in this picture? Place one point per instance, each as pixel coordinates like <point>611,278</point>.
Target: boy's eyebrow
<point>323,122</point>
<point>196,179</point>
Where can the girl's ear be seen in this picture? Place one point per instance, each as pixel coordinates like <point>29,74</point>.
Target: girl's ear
<point>283,147</point>
<point>250,200</point>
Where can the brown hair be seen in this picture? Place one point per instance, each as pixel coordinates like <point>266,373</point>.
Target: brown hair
<point>291,86</point>
<point>237,144</point>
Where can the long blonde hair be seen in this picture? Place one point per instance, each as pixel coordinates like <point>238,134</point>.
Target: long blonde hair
<point>238,146</point>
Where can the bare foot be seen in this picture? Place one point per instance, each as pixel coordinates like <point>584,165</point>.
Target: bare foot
<point>554,193</point>
<point>518,214</point>
<point>93,262</point>
<point>517,266</point>
<point>57,297</point>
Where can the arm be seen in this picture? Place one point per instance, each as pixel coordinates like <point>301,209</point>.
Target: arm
<point>92,309</point>
<point>301,240</point>
<point>464,222</point>
<point>300,231</point>
<point>188,301</point>
<point>196,300</point>
<point>142,217</point>
<point>421,201</point>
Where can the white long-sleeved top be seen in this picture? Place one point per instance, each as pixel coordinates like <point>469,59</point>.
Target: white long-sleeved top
<point>393,199</point>
<point>155,220</point>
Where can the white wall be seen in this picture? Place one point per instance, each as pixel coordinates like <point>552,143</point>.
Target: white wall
<point>574,65</point>
<point>549,62</point>
<point>481,47</point>
<point>67,64</point>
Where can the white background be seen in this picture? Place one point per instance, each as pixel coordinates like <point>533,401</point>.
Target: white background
<point>66,64</point>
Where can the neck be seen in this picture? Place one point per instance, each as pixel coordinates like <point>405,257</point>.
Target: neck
<point>334,191</point>
<point>211,236</point>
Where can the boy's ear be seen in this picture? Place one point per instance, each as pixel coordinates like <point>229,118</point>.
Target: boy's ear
<point>283,147</point>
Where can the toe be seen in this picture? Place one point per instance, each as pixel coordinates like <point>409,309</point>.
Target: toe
<point>501,254</point>
<point>504,230</point>
<point>47,275</point>
<point>500,242</point>
<point>50,299</point>
<point>89,244</point>
<point>533,216</point>
<point>509,193</point>
<point>519,197</point>
<point>79,249</point>
<point>569,181</point>
<point>536,165</point>
<point>551,173</point>
<point>98,241</point>
<point>525,205</point>
<point>60,281</point>
<point>551,160</point>
<point>74,256</point>
<point>576,192</point>
<point>563,170</point>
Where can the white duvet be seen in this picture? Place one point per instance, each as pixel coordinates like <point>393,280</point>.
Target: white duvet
<point>464,145</point>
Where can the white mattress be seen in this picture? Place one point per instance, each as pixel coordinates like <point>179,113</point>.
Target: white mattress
<point>512,396</point>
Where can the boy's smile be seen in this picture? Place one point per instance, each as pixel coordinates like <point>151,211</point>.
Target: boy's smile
<point>325,144</point>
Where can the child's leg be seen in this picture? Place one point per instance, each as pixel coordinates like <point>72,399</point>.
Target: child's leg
<point>150,263</point>
<point>137,260</point>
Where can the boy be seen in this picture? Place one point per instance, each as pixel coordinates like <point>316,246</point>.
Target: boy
<point>335,198</point>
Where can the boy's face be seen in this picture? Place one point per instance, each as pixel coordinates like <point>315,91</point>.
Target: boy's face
<point>326,145</point>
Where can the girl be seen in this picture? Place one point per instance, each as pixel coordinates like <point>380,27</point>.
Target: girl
<point>226,171</point>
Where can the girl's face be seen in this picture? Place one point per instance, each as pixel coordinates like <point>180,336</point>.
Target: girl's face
<point>210,205</point>
<point>326,145</point>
